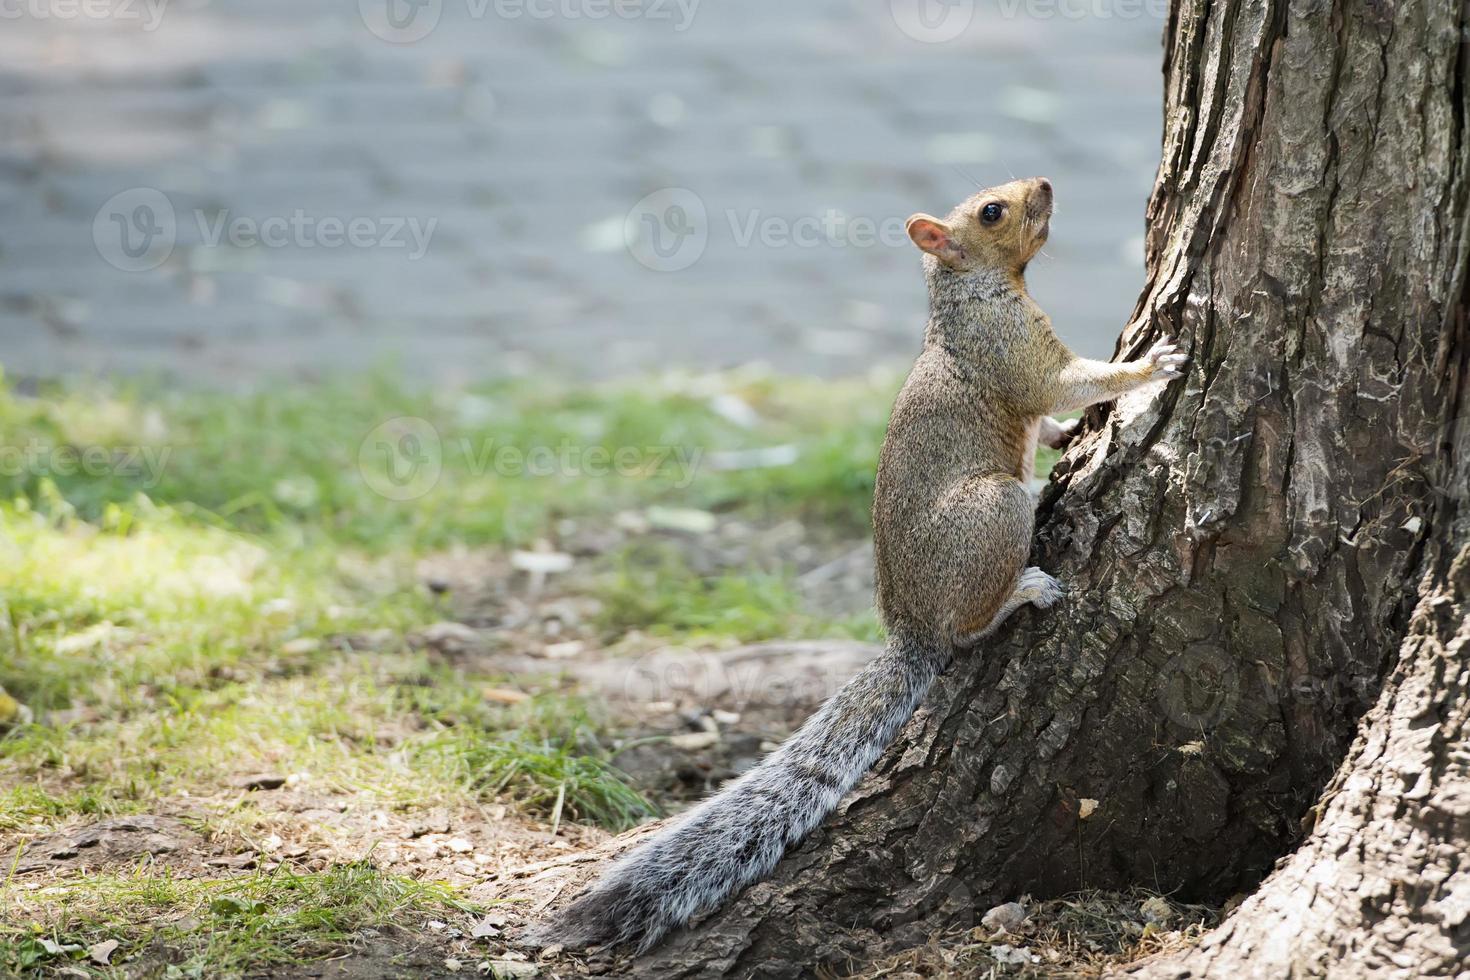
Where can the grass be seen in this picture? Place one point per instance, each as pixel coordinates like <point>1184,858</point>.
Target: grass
<point>182,576</point>
<point>179,572</point>
<point>194,928</point>
<point>491,465</point>
<point>654,590</point>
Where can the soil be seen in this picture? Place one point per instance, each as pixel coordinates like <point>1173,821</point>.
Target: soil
<point>688,719</point>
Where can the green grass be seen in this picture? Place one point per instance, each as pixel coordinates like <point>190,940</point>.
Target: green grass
<point>309,463</point>
<point>173,567</point>
<point>213,928</point>
<point>655,591</point>
<point>178,572</point>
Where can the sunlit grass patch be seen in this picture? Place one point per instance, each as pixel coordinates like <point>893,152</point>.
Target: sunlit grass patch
<point>554,779</point>
<point>147,604</point>
<point>184,578</point>
<point>331,460</point>
<point>194,927</point>
<point>174,568</point>
<point>549,755</point>
<point>397,732</point>
<point>27,804</point>
<point>659,594</point>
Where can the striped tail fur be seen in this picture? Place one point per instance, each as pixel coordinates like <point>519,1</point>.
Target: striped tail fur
<point>737,836</point>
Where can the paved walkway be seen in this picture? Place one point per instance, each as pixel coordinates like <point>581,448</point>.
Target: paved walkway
<point>243,188</point>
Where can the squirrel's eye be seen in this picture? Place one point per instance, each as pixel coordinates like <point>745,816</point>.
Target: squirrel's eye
<point>991,213</point>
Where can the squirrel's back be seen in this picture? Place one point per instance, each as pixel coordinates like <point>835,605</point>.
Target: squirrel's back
<point>952,527</point>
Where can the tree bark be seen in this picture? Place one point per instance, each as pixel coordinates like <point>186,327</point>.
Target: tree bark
<point>1246,555</point>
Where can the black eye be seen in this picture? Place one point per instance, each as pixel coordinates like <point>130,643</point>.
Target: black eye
<point>991,213</point>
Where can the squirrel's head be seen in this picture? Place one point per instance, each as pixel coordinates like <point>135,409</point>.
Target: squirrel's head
<point>998,229</point>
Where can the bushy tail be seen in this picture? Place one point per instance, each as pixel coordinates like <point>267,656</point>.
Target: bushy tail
<point>737,836</point>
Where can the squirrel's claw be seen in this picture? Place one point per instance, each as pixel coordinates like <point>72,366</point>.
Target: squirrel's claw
<point>1039,588</point>
<point>1167,360</point>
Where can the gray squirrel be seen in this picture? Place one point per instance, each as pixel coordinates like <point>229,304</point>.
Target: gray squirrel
<point>952,523</point>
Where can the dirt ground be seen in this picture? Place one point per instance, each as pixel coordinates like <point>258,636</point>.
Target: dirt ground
<point>687,720</point>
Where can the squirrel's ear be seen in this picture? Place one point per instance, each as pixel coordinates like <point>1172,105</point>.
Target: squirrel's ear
<point>933,236</point>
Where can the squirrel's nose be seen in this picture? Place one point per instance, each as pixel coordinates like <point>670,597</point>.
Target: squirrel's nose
<point>1043,185</point>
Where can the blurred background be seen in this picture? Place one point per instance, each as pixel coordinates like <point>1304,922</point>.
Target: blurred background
<point>436,434</point>
<point>241,189</point>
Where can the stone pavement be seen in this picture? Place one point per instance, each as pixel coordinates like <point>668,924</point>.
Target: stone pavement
<point>229,190</point>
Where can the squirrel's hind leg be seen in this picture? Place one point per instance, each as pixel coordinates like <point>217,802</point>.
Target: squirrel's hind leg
<point>1036,587</point>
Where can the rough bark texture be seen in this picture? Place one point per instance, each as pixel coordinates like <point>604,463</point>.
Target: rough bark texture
<point>1381,887</point>
<point>1245,554</point>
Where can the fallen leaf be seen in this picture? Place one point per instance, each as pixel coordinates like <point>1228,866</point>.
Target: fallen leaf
<point>541,562</point>
<point>564,650</point>
<point>1004,918</point>
<point>683,519</point>
<point>504,695</point>
<point>101,952</point>
<point>1157,909</point>
<point>1012,955</point>
<point>692,741</point>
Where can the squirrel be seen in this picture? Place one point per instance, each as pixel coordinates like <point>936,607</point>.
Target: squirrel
<point>952,523</point>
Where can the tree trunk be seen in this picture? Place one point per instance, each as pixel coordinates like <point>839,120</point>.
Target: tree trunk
<point>1244,553</point>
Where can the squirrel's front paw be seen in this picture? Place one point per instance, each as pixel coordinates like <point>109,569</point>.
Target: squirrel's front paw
<point>1165,360</point>
<point>1055,434</point>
